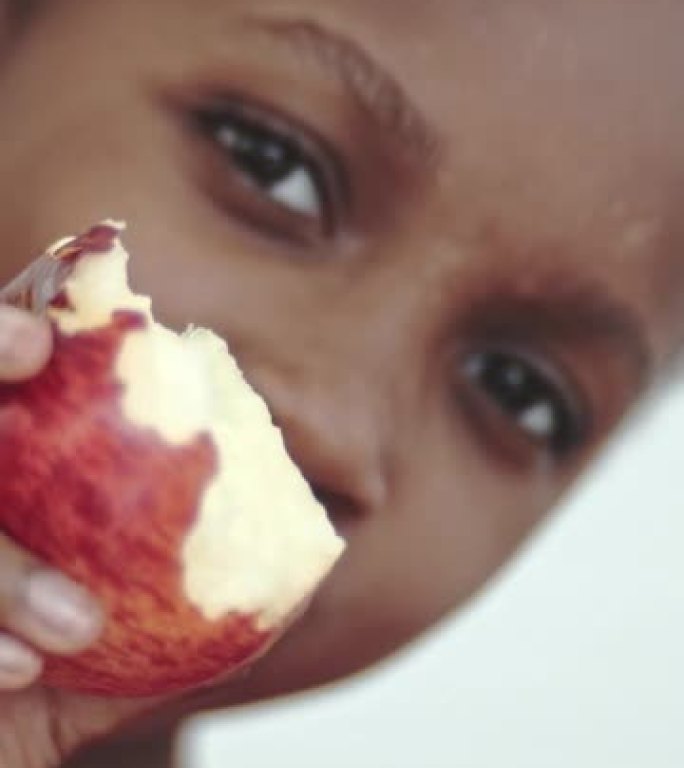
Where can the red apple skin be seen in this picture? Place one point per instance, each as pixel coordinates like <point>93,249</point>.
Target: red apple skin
<point>110,504</point>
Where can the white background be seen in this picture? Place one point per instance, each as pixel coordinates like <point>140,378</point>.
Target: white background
<point>574,658</point>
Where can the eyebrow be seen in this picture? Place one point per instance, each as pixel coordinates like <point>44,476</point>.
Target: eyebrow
<point>574,308</point>
<point>379,94</point>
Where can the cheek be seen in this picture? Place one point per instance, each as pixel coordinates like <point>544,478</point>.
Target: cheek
<point>406,567</point>
<point>74,172</point>
<point>82,167</point>
<point>73,155</point>
<point>125,170</point>
<point>453,521</point>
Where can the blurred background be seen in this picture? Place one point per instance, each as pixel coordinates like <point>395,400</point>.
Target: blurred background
<point>573,657</point>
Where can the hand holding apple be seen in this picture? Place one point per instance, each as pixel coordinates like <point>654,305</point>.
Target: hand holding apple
<point>142,463</point>
<point>46,619</point>
<point>40,610</point>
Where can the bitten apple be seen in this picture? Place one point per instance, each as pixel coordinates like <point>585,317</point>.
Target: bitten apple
<point>141,463</point>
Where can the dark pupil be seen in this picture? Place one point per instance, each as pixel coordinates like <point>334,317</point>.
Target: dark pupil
<point>267,159</point>
<point>517,387</point>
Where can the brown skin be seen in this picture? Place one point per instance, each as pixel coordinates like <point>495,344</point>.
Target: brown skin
<point>545,185</point>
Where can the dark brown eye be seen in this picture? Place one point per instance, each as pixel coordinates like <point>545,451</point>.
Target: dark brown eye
<point>535,401</point>
<point>272,163</point>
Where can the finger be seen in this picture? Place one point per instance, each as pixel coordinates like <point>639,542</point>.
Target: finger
<point>20,666</point>
<point>44,607</point>
<point>25,343</point>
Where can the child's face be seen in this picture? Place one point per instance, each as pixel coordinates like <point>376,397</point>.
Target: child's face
<point>450,263</point>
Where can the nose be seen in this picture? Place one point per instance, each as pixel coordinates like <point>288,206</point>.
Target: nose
<point>332,434</point>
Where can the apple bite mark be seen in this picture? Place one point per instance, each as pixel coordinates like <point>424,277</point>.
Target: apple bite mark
<point>144,465</point>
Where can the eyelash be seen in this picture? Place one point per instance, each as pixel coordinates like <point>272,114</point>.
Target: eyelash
<point>291,148</point>
<point>538,400</point>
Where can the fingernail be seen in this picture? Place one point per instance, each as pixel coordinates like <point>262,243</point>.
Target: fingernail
<point>64,608</point>
<point>14,324</point>
<point>18,664</point>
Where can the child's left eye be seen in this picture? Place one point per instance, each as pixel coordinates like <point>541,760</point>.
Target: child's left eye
<point>535,402</point>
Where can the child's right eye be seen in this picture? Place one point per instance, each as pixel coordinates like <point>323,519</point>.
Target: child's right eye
<point>270,161</point>
<point>281,180</point>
